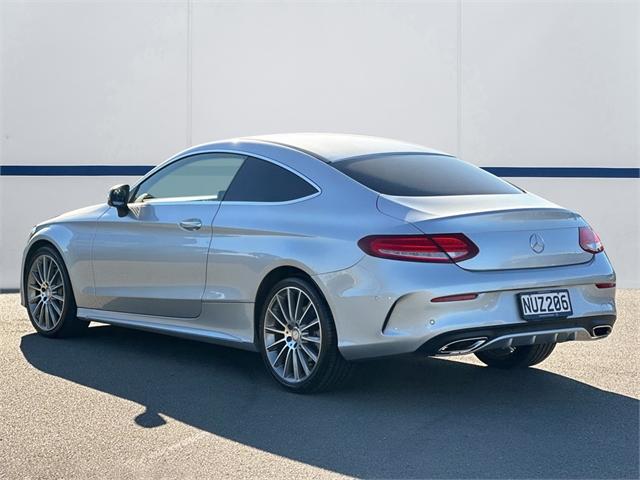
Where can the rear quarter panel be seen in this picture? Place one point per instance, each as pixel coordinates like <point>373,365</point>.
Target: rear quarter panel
<point>317,234</point>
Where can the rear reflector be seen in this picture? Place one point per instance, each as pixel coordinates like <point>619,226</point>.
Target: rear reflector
<point>605,285</point>
<point>590,241</point>
<point>441,248</point>
<point>455,298</point>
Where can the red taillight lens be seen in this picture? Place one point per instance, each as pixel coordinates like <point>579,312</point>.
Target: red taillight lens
<point>444,248</point>
<point>590,241</point>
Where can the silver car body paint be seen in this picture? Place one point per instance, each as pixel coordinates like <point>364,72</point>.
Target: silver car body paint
<point>144,271</point>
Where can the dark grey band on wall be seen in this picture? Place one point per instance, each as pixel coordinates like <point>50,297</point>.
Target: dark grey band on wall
<point>138,170</point>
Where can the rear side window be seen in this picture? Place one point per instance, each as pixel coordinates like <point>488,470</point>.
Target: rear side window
<point>262,181</point>
<point>418,175</point>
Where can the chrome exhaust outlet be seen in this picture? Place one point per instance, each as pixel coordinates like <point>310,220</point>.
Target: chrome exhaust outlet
<point>462,347</point>
<point>601,331</point>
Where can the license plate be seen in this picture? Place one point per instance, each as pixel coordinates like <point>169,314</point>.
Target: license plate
<point>551,303</point>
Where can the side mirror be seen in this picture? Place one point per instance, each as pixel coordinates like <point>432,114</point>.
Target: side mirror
<point>119,198</point>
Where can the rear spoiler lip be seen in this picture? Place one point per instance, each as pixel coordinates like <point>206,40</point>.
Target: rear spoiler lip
<point>397,208</point>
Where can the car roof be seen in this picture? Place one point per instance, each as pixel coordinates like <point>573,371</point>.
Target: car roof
<point>333,147</point>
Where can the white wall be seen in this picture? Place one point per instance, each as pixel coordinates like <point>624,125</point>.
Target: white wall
<point>500,83</point>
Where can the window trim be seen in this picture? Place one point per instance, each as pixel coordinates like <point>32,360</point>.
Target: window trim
<point>191,200</point>
<point>175,200</point>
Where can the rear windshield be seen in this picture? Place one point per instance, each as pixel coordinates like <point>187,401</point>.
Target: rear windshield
<point>419,175</point>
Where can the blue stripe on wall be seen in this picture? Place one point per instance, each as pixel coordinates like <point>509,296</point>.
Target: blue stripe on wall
<point>138,170</point>
<point>73,170</point>
<point>569,172</point>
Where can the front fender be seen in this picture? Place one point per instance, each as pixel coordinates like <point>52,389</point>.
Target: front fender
<point>73,241</point>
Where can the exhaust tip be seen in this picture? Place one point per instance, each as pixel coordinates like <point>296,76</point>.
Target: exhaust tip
<point>461,347</point>
<point>601,331</point>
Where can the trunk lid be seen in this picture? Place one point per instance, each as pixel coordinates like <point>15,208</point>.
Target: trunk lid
<point>512,231</point>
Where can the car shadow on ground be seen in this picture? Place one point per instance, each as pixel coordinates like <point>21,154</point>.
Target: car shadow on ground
<point>401,417</point>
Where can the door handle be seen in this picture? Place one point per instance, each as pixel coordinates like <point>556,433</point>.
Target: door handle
<point>191,224</point>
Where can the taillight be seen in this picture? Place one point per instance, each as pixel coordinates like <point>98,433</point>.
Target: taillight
<point>441,248</point>
<point>590,241</point>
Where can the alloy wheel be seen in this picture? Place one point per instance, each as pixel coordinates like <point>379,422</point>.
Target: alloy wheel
<point>45,292</point>
<point>292,334</point>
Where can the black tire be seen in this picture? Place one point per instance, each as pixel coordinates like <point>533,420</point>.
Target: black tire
<point>68,324</point>
<point>331,369</point>
<point>518,357</point>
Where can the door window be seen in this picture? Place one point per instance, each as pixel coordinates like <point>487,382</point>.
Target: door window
<point>199,177</point>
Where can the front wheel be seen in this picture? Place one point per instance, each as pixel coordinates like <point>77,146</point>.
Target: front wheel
<point>516,357</point>
<point>298,338</point>
<point>50,302</point>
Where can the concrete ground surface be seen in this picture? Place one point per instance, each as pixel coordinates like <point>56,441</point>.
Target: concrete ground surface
<point>123,404</point>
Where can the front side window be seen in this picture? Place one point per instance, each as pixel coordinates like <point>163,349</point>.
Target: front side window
<point>205,176</point>
<point>262,181</point>
<point>420,175</point>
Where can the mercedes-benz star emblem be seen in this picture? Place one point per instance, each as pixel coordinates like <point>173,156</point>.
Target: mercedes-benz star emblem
<point>536,243</point>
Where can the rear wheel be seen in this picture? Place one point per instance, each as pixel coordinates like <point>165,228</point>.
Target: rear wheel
<point>50,302</point>
<point>516,357</point>
<point>298,338</point>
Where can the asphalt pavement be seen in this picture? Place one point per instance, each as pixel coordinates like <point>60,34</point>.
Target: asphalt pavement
<point>119,403</point>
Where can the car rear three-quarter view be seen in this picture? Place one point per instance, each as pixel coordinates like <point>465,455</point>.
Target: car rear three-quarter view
<point>320,249</point>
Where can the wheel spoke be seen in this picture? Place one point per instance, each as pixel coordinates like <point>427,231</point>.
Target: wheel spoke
<point>37,281</point>
<point>305,311</point>
<point>45,269</point>
<point>52,317</point>
<point>55,274</point>
<point>292,319</point>
<point>303,363</point>
<point>286,362</point>
<point>311,339</point>
<point>273,330</point>
<point>275,343</point>
<point>282,350</point>
<point>284,314</point>
<point>46,314</point>
<point>57,297</point>
<point>39,268</point>
<point>307,327</point>
<point>56,309</point>
<point>295,311</point>
<point>309,353</point>
<point>277,318</point>
<point>37,311</point>
<point>296,369</point>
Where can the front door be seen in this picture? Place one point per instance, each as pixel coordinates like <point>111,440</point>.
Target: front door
<point>153,261</point>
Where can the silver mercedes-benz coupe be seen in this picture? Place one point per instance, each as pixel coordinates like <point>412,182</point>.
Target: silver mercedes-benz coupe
<point>319,249</point>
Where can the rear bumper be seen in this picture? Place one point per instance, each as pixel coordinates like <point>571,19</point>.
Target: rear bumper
<point>472,340</point>
<point>383,307</point>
